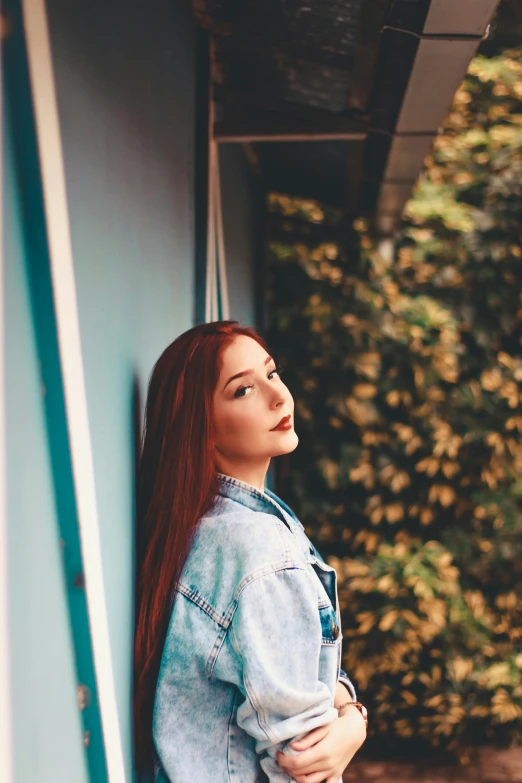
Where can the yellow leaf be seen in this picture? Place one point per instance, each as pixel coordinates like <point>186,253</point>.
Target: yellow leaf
<point>376,516</point>
<point>399,481</point>
<point>330,471</point>
<point>504,708</point>
<point>479,711</point>
<point>443,493</point>
<point>412,618</point>
<point>362,412</point>
<point>388,620</point>
<point>368,364</point>
<point>412,446</point>
<point>363,473</point>
<point>430,466</point>
<point>385,582</point>
<point>460,668</point>
<point>450,469</point>
<point>435,701</point>
<point>409,698</point>
<point>365,391</point>
<point>355,568</point>
<point>426,516</point>
<point>446,496</point>
<point>505,359</point>
<point>394,512</point>
<point>393,398</point>
<point>491,379</point>
<point>366,622</point>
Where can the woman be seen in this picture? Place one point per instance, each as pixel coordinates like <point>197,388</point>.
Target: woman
<point>238,644</point>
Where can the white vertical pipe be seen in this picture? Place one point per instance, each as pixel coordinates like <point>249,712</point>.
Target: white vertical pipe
<point>211,244</point>
<point>214,309</point>
<point>69,343</point>
<point>216,274</point>
<point>6,738</point>
<point>220,237</point>
<point>214,304</point>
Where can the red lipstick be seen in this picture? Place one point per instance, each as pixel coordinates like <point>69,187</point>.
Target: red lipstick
<point>284,424</point>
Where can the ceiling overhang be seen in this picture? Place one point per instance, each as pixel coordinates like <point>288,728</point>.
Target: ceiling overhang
<point>436,51</point>
<point>340,100</point>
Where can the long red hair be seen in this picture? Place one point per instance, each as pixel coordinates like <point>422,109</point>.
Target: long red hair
<point>176,486</point>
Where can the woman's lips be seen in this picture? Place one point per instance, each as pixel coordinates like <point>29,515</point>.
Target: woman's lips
<point>284,424</point>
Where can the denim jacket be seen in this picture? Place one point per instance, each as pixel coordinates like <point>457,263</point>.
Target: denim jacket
<point>253,649</point>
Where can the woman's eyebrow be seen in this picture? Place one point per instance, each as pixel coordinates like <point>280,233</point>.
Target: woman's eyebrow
<point>245,372</point>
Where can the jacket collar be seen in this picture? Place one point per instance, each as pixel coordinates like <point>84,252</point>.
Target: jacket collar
<point>249,496</point>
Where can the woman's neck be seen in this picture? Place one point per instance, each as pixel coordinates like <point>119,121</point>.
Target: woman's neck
<point>254,475</point>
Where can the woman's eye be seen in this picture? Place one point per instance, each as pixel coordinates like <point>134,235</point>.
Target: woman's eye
<point>277,370</point>
<point>242,389</point>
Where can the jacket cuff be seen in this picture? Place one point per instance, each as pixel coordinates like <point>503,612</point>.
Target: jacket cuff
<point>343,677</point>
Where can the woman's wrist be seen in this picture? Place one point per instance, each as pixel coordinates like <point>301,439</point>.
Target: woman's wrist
<point>342,695</point>
<point>355,723</point>
<point>351,705</point>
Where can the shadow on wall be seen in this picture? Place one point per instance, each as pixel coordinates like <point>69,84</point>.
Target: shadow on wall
<point>105,49</point>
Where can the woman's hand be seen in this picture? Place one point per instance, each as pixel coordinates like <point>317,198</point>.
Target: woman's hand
<point>327,750</point>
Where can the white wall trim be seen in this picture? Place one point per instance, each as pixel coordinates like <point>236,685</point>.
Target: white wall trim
<point>69,343</point>
<point>6,737</point>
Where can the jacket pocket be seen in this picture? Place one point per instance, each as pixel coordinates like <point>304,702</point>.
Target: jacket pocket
<point>330,629</point>
<point>328,578</point>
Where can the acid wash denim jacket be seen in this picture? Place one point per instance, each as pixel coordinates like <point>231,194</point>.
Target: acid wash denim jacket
<point>253,649</point>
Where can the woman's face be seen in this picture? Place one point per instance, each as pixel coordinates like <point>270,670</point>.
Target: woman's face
<point>249,401</point>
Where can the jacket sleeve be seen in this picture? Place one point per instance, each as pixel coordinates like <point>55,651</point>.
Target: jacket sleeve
<point>276,633</point>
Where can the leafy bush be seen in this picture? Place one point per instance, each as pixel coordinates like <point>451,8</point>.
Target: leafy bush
<point>407,376</point>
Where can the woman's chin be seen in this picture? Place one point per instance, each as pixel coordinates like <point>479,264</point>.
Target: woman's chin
<point>287,444</point>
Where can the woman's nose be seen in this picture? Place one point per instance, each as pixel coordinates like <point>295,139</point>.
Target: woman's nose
<point>279,398</point>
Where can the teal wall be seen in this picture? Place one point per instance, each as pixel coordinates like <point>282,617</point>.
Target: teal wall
<point>125,84</point>
<point>125,79</point>
<point>46,724</point>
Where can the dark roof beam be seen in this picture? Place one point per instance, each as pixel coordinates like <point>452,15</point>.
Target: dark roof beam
<point>237,123</point>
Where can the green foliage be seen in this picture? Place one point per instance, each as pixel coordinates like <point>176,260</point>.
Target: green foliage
<point>407,377</point>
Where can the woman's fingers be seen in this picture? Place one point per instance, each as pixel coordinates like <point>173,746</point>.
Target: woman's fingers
<point>306,763</point>
<point>315,736</point>
<point>315,777</point>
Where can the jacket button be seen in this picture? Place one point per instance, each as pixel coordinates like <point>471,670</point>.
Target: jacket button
<point>335,631</point>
